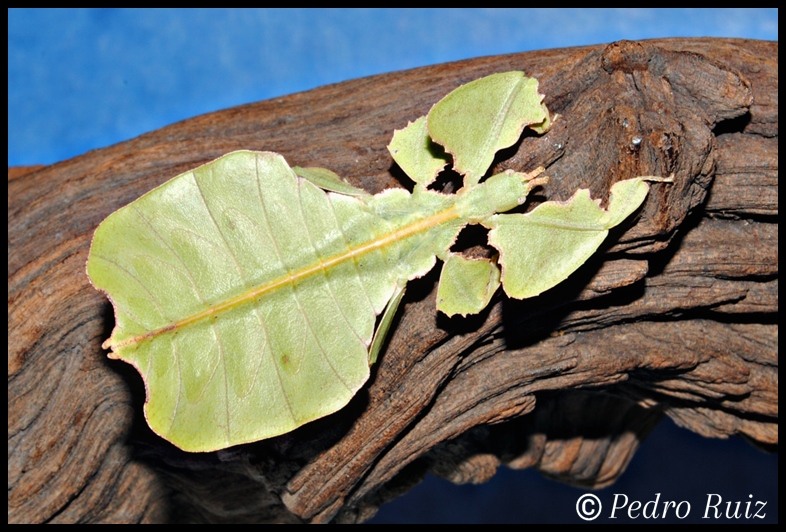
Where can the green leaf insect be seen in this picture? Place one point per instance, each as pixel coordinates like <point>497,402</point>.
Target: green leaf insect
<point>252,297</point>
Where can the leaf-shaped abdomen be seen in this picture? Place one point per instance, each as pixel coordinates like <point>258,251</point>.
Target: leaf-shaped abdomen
<point>247,297</point>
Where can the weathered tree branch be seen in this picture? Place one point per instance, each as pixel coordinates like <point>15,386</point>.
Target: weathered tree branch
<point>677,317</point>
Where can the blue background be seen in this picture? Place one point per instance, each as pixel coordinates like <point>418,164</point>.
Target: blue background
<point>85,79</point>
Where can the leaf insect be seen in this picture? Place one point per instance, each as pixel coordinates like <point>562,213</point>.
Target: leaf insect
<point>253,297</point>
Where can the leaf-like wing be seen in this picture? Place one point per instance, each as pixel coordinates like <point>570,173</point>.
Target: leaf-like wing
<point>466,285</point>
<point>416,153</point>
<point>480,118</point>
<point>247,297</point>
<point>330,181</point>
<point>540,249</point>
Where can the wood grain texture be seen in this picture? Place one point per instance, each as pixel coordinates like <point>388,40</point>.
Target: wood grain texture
<point>676,317</point>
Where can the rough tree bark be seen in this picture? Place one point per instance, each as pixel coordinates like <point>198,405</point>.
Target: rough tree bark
<point>677,317</point>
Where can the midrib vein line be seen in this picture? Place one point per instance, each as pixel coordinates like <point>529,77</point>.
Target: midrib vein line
<point>291,278</point>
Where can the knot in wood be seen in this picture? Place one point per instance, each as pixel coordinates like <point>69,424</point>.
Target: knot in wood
<point>626,56</point>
